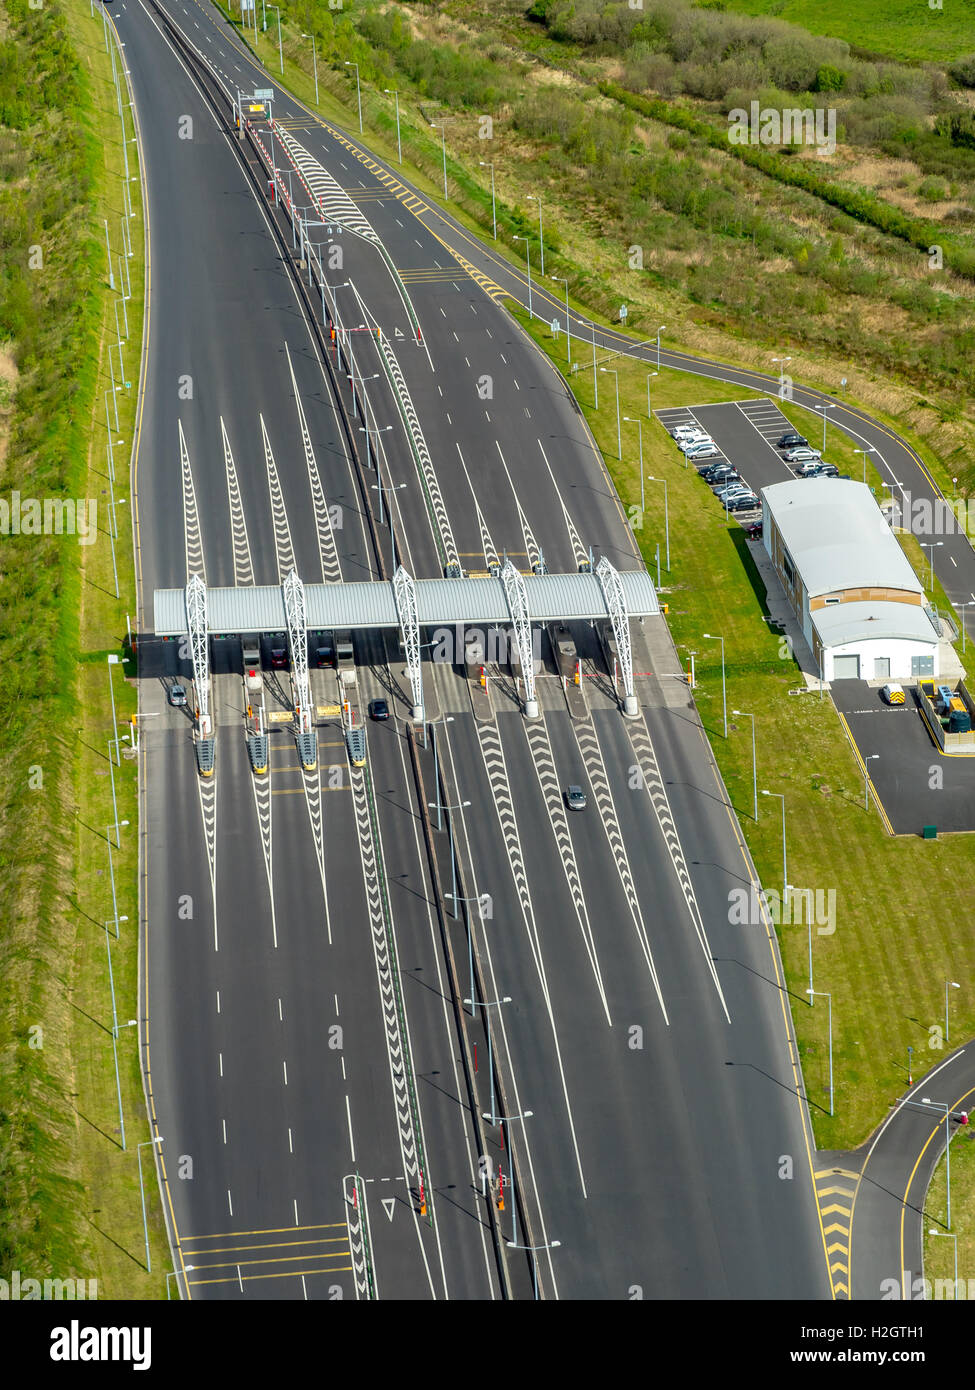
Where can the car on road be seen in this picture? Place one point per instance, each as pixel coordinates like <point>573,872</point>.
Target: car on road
<point>893,694</point>
<point>575,798</point>
<point>378,709</point>
<point>177,695</point>
<point>791,441</point>
<point>801,455</point>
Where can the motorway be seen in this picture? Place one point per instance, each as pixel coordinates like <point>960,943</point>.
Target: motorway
<point>668,1150</point>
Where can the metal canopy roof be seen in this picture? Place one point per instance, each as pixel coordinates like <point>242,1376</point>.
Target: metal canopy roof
<point>440,602</point>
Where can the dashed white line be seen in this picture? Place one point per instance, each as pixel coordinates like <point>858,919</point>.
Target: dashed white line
<point>285,1065</point>
<point>348,1112</point>
<point>220,1057</point>
<point>224,1122</point>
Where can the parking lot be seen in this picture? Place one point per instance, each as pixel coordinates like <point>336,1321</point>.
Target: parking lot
<point>745,434</point>
<point>916,783</point>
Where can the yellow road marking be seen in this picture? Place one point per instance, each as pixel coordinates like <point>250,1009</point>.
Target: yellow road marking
<point>270,1231</point>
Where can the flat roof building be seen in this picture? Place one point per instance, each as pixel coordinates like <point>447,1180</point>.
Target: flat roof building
<point>857,599</point>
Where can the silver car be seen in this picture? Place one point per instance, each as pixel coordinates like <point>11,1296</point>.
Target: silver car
<point>575,798</point>
<point>177,695</point>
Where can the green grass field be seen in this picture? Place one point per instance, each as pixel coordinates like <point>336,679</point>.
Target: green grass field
<point>886,961</point>
<point>905,29</point>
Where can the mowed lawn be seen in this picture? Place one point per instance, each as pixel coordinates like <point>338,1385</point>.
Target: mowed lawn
<point>904,29</point>
<point>902,907</point>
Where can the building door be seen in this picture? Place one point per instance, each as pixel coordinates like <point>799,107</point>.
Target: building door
<point>881,668</point>
<point>922,665</point>
<point>846,668</point>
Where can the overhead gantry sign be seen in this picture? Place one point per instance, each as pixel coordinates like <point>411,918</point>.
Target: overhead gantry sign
<point>510,599</point>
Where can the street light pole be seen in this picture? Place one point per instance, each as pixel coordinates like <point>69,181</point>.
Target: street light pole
<point>280,50</point>
<point>314,56</point>
<point>488,1004</point>
<point>785,876</point>
<point>619,432</point>
<point>532,1249</point>
<point>358,90</point>
<point>643,492</point>
<point>568,321</point>
<point>528,277</point>
<point>142,1193</point>
<point>534,198</point>
<point>659,331</point>
<point>724,691</point>
<point>939,1105</point>
<point>949,984</point>
<point>745,715</point>
<point>824,995</point>
<point>652,479</point>
<point>649,411</point>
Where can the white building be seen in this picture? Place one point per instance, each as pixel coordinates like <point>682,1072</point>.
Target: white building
<point>857,600</point>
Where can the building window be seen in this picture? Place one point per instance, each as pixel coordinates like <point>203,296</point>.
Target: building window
<point>830,602</point>
<point>787,565</point>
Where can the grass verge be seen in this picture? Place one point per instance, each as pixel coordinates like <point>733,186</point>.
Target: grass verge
<point>888,955</point>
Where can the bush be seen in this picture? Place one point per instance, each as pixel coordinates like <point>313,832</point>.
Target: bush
<point>829,79</point>
<point>963,70</point>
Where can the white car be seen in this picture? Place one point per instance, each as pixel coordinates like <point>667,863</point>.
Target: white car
<point>802,455</point>
<point>698,437</point>
<point>680,430</point>
<point>689,445</point>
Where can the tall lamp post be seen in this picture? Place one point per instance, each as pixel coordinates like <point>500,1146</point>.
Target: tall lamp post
<point>949,984</point>
<point>399,143</point>
<point>932,546</point>
<point>785,877</point>
<point>652,479</point>
<point>528,278</point>
<point>568,321</point>
<point>745,715</point>
<point>630,420</point>
<point>781,363</point>
<point>659,331</point>
<point>534,198</point>
<point>489,1004</point>
<point>869,450</point>
<point>358,89</point>
<point>145,1225</point>
<point>724,689</point>
<point>824,995</point>
<point>869,758</point>
<point>314,58</point>
<point>619,431</point>
<point>940,1105</point>
<point>280,50</point>
<point>649,411</point>
<point>533,1249</point>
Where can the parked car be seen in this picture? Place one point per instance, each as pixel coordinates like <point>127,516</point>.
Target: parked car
<point>689,427</point>
<point>743,502</point>
<point>177,695</point>
<point>729,489</point>
<point>378,709</point>
<point>892,694</point>
<point>752,529</point>
<point>715,472</point>
<point>801,455</point>
<point>575,798</point>
<point>703,451</point>
<point>827,470</point>
<point>703,442</point>
<point>791,440</point>
<point>809,469</point>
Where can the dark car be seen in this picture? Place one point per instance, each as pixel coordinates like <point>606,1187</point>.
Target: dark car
<point>279,657</point>
<point>827,470</point>
<point>324,656</point>
<point>791,441</point>
<point>743,502</point>
<point>575,798</point>
<point>753,530</point>
<point>719,470</point>
<point>378,709</point>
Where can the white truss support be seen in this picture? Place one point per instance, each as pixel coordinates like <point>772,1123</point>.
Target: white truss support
<point>294,607</point>
<point>517,599</point>
<point>404,593</point>
<point>196,619</point>
<point>612,588</point>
